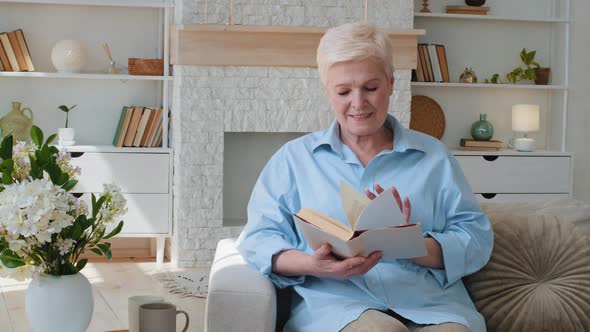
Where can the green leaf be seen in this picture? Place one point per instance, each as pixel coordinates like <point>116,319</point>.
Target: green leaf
<point>7,168</point>
<point>62,178</point>
<point>81,264</point>
<point>77,232</point>
<point>50,140</point>
<point>115,231</point>
<point>69,185</point>
<point>6,147</point>
<point>10,259</point>
<point>72,269</point>
<point>64,108</point>
<point>96,251</point>
<point>106,249</point>
<point>37,136</point>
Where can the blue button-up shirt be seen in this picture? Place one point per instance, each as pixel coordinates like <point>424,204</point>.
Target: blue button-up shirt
<point>306,172</point>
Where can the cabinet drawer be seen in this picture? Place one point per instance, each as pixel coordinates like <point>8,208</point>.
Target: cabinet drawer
<point>517,174</point>
<point>133,172</point>
<point>146,214</point>
<point>501,198</point>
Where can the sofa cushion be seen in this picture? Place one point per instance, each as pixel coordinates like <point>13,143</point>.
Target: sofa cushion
<point>538,278</point>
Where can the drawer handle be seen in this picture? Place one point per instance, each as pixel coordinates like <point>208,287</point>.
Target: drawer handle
<point>490,158</point>
<point>77,195</point>
<point>76,154</point>
<point>489,195</point>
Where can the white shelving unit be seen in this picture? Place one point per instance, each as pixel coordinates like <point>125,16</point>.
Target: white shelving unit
<point>491,44</point>
<point>132,28</point>
<point>91,22</point>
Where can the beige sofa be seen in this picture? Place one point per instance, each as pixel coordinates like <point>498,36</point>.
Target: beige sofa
<point>538,278</point>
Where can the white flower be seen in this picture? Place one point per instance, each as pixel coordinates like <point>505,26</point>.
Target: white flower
<point>35,208</point>
<point>64,245</point>
<point>20,273</point>
<point>114,204</point>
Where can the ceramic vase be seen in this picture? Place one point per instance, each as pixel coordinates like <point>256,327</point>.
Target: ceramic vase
<point>475,3</point>
<point>65,136</point>
<point>68,56</point>
<point>17,123</point>
<point>482,130</point>
<point>59,303</point>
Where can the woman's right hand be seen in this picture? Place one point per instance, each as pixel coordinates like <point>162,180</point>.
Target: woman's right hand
<point>325,264</point>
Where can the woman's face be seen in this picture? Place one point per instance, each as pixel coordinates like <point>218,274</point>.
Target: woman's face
<point>359,93</point>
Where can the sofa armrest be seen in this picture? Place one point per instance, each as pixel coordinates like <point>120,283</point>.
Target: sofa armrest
<point>239,298</point>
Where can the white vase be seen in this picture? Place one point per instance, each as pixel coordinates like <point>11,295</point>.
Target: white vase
<point>59,304</point>
<point>68,56</point>
<point>65,136</point>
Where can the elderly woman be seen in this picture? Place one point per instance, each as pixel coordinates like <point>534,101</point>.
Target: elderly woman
<point>367,148</point>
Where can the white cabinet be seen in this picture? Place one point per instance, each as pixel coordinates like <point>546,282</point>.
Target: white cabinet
<point>513,176</point>
<point>133,29</point>
<point>491,44</point>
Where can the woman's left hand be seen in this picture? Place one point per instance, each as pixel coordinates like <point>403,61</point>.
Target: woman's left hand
<point>406,207</point>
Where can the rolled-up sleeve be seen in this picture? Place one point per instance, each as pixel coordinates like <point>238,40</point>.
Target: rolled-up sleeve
<point>270,228</point>
<point>467,238</point>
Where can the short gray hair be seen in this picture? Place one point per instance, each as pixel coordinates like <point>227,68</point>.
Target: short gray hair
<point>351,42</point>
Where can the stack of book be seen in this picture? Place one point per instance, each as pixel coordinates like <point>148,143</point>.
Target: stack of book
<point>14,52</point>
<point>139,127</point>
<point>432,64</point>
<point>471,144</point>
<point>468,10</point>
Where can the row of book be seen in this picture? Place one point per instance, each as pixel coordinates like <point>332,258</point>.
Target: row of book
<point>139,127</point>
<point>14,52</point>
<point>432,64</point>
<point>490,145</point>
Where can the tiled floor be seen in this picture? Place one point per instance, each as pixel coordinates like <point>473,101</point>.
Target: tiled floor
<point>113,283</point>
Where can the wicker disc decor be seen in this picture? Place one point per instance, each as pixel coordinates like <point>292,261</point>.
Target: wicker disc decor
<point>427,116</point>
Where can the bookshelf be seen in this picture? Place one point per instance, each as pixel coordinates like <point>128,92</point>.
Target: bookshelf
<point>491,44</point>
<point>132,28</point>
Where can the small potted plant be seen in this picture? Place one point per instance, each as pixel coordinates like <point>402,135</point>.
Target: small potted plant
<point>66,135</point>
<point>531,71</point>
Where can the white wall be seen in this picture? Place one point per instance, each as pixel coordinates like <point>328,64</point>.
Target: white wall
<point>579,99</point>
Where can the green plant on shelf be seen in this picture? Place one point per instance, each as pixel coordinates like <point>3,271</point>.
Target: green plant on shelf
<point>528,72</point>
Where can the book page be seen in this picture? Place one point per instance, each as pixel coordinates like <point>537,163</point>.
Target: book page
<point>383,211</point>
<point>317,237</point>
<point>353,203</point>
<point>327,224</point>
<point>394,242</point>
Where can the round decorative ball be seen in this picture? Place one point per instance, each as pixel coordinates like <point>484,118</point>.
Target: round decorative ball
<point>476,3</point>
<point>68,56</point>
<point>482,130</point>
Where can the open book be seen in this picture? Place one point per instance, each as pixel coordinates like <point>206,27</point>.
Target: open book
<point>375,225</point>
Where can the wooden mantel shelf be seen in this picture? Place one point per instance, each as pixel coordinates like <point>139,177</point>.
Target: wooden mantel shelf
<point>239,45</point>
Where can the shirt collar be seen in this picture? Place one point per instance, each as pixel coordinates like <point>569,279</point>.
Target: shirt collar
<point>403,139</point>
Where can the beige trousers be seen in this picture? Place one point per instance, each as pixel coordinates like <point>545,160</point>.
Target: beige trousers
<point>377,321</point>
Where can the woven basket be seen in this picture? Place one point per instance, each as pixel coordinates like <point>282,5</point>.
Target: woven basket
<point>154,67</point>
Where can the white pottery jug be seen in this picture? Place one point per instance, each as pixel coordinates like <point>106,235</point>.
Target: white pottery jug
<point>59,304</point>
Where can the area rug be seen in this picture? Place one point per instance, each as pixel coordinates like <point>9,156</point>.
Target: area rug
<point>185,283</point>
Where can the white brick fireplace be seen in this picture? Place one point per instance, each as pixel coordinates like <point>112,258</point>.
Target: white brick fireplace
<point>209,101</point>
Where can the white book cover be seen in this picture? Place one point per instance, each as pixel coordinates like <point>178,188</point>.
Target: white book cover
<point>435,63</point>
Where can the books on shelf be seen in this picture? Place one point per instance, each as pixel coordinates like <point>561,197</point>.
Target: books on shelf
<point>469,10</point>
<point>374,225</point>
<point>14,52</point>
<point>139,127</point>
<point>471,144</point>
<point>432,65</point>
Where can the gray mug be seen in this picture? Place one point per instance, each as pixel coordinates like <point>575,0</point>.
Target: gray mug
<point>159,317</point>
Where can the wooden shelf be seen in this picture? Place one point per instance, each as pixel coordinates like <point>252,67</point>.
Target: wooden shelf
<point>93,76</point>
<point>491,18</point>
<point>107,3</point>
<point>240,45</point>
<point>489,86</point>
<point>112,149</point>
<point>512,152</point>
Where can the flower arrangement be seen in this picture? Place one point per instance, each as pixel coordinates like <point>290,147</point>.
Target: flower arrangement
<point>43,227</point>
